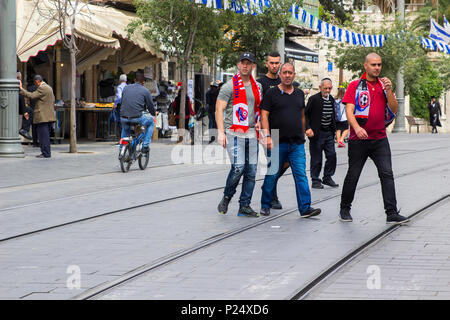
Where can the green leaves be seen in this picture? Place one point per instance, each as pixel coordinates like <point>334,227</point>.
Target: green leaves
<point>423,77</point>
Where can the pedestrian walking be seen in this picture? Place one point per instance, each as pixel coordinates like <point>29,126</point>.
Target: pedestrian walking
<point>370,107</point>
<point>342,128</point>
<point>320,129</point>
<point>237,132</point>
<point>44,112</point>
<point>26,114</point>
<point>211,99</point>
<point>435,111</point>
<point>118,100</point>
<point>283,109</point>
<point>268,81</point>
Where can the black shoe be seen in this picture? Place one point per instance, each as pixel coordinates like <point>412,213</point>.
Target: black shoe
<point>317,185</point>
<point>396,218</point>
<point>25,134</point>
<point>276,204</point>
<point>265,211</point>
<point>344,215</point>
<point>223,205</point>
<point>330,182</point>
<point>247,211</point>
<point>311,212</point>
<point>42,156</point>
<point>145,149</point>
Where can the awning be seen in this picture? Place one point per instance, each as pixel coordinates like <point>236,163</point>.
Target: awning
<point>104,27</point>
<point>296,51</point>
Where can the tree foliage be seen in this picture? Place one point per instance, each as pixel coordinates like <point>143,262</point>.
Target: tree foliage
<point>423,82</point>
<point>423,77</point>
<point>334,11</point>
<point>254,33</point>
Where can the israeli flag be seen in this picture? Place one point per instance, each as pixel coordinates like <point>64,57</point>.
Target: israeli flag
<point>446,24</point>
<point>439,33</point>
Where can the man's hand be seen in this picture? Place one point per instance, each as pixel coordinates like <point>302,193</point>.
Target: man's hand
<point>266,141</point>
<point>26,116</point>
<point>387,83</point>
<point>361,133</point>
<point>222,139</point>
<point>309,133</point>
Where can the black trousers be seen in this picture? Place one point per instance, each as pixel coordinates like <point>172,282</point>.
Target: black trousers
<point>26,124</point>
<point>323,144</point>
<point>380,152</point>
<point>43,131</point>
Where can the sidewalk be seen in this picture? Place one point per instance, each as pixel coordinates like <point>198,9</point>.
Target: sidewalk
<point>411,263</point>
<point>270,261</point>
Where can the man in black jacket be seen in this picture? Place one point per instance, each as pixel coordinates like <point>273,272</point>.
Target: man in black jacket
<point>320,129</point>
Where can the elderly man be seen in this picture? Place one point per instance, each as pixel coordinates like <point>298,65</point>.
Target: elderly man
<point>44,112</point>
<point>320,129</point>
<point>368,107</point>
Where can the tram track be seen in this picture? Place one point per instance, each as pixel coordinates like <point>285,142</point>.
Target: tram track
<point>122,210</point>
<point>303,292</point>
<point>143,184</point>
<point>106,287</point>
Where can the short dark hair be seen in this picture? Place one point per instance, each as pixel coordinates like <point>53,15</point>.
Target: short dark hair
<point>37,78</point>
<point>274,54</point>
<point>139,76</point>
<point>433,97</point>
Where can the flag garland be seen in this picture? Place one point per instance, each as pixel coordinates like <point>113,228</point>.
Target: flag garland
<point>324,28</point>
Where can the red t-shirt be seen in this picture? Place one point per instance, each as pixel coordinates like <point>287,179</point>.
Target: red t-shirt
<point>375,123</point>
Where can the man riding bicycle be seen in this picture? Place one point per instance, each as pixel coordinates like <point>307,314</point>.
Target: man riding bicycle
<point>136,101</point>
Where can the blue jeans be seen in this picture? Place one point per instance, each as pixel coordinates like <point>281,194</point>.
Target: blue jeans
<point>146,120</point>
<point>243,155</point>
<point>295,154</point>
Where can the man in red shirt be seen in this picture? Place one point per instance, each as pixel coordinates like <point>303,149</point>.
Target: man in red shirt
<point>369,101</point>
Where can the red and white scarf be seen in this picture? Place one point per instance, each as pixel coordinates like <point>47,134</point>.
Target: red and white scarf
<point>240,106</point>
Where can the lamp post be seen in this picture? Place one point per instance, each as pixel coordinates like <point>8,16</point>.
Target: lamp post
<point>10,145</point>
<point>400,125</point>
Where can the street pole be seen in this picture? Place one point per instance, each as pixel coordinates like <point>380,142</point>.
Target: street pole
<point>279,45</point>
<point>400,125</point>
<point>10,145</point>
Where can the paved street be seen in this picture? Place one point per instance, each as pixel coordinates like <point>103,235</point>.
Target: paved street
<point>174,210</point>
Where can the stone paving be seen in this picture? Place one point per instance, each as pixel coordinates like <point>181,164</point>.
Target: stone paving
<point>270,261</point>
<point>411,263</point>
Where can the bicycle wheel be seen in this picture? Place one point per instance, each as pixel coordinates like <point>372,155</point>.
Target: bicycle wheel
<point>143,160</point>
<point>125,159</point>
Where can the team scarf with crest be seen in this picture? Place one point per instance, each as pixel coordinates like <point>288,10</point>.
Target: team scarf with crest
<point>362,103</point>
<point>240,106</point>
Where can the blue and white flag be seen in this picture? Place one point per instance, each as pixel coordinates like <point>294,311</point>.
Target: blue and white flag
<point>446,24</point>
<point>438,33</point>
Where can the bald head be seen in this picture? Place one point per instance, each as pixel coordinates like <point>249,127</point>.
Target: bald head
<point>372,55</point>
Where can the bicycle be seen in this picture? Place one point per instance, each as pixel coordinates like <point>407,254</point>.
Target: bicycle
<point>131,147</point>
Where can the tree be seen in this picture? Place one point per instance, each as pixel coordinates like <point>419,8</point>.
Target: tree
<point>423,82</point>
<point>402,47</point>
<point>186,30</point>
<point>334,11</point>
<point>65,12</point>
<point>254,32</point>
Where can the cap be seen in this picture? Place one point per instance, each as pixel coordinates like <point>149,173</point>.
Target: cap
<point>123,77</point>
<point>247,55</point>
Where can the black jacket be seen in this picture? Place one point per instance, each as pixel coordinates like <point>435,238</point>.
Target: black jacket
<point>313,115</point>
